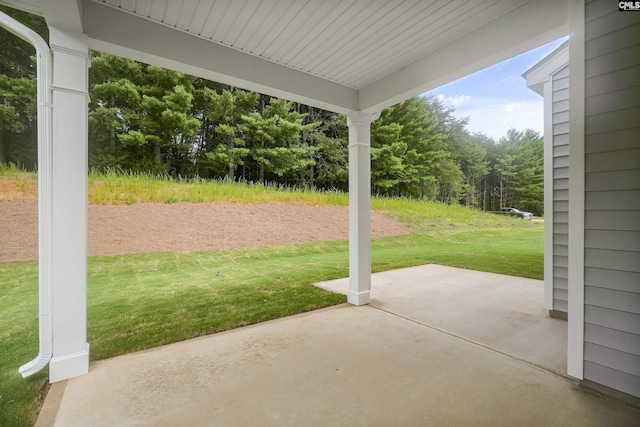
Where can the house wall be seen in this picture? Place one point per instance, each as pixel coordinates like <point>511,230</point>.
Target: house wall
<point>560,154</point>
<point>612,197</point>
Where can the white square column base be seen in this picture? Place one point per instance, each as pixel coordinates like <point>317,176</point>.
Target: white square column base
<point>69,366</point>
<point>358,298</point>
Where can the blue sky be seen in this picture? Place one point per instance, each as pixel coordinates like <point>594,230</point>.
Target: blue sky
<point>497,98</point>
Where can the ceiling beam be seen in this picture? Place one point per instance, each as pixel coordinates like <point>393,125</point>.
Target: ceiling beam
<point>31,6</point>
<point>535,23</point>
<point>65,15</point>
<point>117,32</point>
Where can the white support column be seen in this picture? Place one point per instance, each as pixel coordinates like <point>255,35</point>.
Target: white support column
<point>548,192</point>
<point>575,323</point>
<point>359,206</point>
<point>69,194</point>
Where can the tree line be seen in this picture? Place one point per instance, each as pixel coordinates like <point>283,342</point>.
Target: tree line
<point>146,118</point>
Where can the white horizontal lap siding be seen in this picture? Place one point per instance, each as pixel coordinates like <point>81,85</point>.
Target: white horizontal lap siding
<point>560,117</point>
<point>612,197</point>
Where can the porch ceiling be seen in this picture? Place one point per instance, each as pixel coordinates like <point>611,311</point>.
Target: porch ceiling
<point>335,54</point>
<point>353,43</point>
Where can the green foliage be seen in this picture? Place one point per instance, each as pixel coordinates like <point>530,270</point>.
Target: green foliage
<point>18,126</point>
<point>518,171</point>
<point>275,140</point>
<point>223,113</point>
<point>143,121</point>
<point>327,143</point>
<point>407,150</point>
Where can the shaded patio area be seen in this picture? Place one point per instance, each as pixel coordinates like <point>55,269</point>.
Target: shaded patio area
<point>436,346</point>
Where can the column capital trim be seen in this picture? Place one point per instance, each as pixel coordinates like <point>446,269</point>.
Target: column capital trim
<point>64,40</point>
<point>359,118</point>
<point>69,90</point>
<point>69,50</point>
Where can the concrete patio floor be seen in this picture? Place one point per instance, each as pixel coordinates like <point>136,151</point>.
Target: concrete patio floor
<point>437,346</point>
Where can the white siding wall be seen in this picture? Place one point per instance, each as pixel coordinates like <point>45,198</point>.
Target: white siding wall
<point>612,197</point>
<point>560,118</point>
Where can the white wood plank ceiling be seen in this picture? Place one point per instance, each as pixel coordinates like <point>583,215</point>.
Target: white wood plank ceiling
<point>351,42</point>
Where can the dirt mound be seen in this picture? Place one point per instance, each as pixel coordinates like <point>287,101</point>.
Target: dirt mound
<point>187,227</point>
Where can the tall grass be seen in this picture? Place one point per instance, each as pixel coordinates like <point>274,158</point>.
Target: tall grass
<point>116,187</point>
<point>17,183</point>
<point>113,187</point>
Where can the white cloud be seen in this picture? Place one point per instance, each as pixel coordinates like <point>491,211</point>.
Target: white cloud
<point>511,107</point>
<point>497,98</point>
<point>493,117</point>
<point>454,101</point>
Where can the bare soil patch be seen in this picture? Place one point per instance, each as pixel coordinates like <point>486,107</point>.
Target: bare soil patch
<point>187,227</point>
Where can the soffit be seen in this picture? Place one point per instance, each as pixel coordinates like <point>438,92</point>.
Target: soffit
<point>353,43</point>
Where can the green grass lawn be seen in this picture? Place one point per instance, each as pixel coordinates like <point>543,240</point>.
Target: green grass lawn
<point>142,301</point>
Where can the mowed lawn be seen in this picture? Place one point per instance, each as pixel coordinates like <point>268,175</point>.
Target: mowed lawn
<point>145,300</point>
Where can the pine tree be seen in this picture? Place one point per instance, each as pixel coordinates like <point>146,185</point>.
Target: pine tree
<point>225,110</point>
<point>18,119</point>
